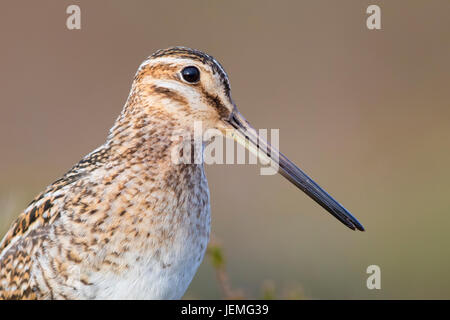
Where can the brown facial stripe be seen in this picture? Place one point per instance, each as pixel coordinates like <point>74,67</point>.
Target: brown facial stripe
<point>170,94</point>
<point>215,101</point>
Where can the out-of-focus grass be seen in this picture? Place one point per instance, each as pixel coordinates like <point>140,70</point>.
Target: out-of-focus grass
<point>216,256</point>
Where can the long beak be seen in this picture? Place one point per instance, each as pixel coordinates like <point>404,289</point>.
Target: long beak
<point>247,136</point>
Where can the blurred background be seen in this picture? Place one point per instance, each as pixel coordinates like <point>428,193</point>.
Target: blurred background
<point>365,113</point>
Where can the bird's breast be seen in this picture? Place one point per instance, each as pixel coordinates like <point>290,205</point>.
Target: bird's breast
<point>161,233</point>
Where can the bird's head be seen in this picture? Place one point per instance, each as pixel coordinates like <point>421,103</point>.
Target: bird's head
<point>187,84</point>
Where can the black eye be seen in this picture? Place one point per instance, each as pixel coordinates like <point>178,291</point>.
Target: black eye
<point>191,74</point>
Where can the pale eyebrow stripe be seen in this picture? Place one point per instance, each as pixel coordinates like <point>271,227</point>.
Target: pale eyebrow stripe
<point>165,60</point>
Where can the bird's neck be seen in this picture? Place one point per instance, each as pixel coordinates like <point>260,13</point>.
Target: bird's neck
<point>149,134</point>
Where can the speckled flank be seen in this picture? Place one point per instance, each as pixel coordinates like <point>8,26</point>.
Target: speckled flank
<point>125,222</point>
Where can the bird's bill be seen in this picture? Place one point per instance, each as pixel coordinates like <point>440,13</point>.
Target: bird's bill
<point>246,135</point>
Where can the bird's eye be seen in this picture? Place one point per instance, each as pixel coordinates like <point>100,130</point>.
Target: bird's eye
<point>191,74</point>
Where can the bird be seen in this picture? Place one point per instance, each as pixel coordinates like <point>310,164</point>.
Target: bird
<point>128,222</point>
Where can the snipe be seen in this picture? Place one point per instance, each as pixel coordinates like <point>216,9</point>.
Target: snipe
<point>126,221</point>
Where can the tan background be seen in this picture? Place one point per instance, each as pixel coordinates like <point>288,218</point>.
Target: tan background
<point>366,113</point>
